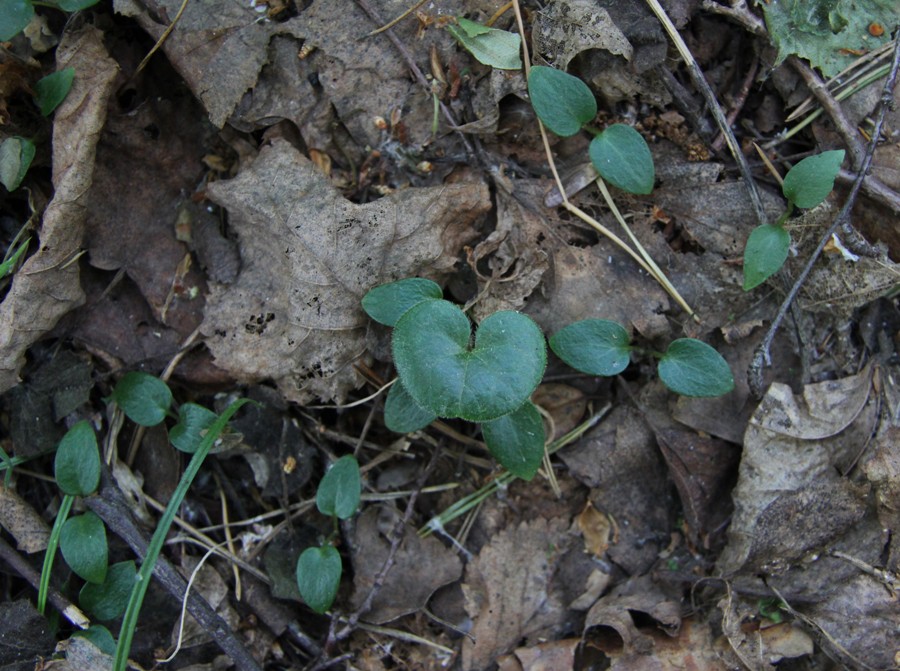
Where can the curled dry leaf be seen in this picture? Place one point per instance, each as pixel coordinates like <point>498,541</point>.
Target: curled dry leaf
<point>793,448</point>
<point>308,256</point>
<point>47,286</point>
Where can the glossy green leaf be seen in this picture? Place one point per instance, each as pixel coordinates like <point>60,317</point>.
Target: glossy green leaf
<point>83,546</point>
<point>562,102</point>
<point>193,422</point>
<point>14,16</point>
<point>594,346</point>
<point>51,90</point>
<point>765,253</point>
<point>692,368</point>
<point>810,181</point>
<point>16,155</point>
<point>75,5</point>
<point>623,159</point>
<point>319,576</point>
<point>387,303</point>
<point>517,440</point>
<point>12,262</point>
<point>401,412</point>
<point>144,398</point>
<point>99,636</point>
<point>107,600</point>
<point>340,488</point>
<point>496,48</point>
<point>77,463</point>
<point>447,377</point>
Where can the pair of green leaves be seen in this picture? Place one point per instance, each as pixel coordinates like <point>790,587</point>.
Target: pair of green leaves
<point>145,400</point>
<point>565,104</point>
<point>17,153</point>
<point>688,367</point>
<point>806,185</point>
<point>444,373</point>
<point>319,568</point>
<point>82,539</point>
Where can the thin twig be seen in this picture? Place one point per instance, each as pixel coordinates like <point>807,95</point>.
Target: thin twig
<point>394,22</point>
<point>714,107</point>
<point>397,534</point>
<point>739,101</point>
<point>845,129</point>
<point>761,356</point>
<point>20,565</point>
<point>112,508</point>
<point>162,39</point>
<point>417,72</point>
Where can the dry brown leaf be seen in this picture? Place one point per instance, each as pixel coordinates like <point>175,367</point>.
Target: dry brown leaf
<point>620,461</point>
<point>81,655</point>
<point>617,609</point>
<point>703,469</point>
<point>599,282</point>
<point>550,656</point>
<point>47,286</point>
<point>511,261</point>
<point>596,529</point>
<point>22,522</point>
<point>793,450</point>
<point>565,28</point>
<point>308,258</point>
<point>509,591</point>
<point>421,566</point>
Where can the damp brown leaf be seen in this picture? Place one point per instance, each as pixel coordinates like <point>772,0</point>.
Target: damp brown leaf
<point>308,256</point>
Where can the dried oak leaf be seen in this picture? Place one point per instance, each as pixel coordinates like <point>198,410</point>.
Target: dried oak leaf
<point>308,256</point>
<point>509,590</point>
<point>47,286</point>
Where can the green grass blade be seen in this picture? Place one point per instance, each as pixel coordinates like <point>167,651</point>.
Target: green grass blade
<point>129,620</point>
<point>50,553</point>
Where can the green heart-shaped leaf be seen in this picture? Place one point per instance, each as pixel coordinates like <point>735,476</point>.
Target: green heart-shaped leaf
<point>623,159</point>
<point>562,102</point>
<point>387,303</point>
<point>692,368</point>
<point>594,346</point>
<point>339,490</point>
<point>448,378</point>
<point>77,463</point>
<point>193,422</point>
<point>765,253</point>
<point>83,545</point>
<point>107,600</point>
<point>401,412</point>
<point>810,181</point>
<point>517,440</point>
<point>144,398</point>
<point>319,576</point>
<point>496,48</point>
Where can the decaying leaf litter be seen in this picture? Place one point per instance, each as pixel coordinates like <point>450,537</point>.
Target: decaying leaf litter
<point>219,216</point>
